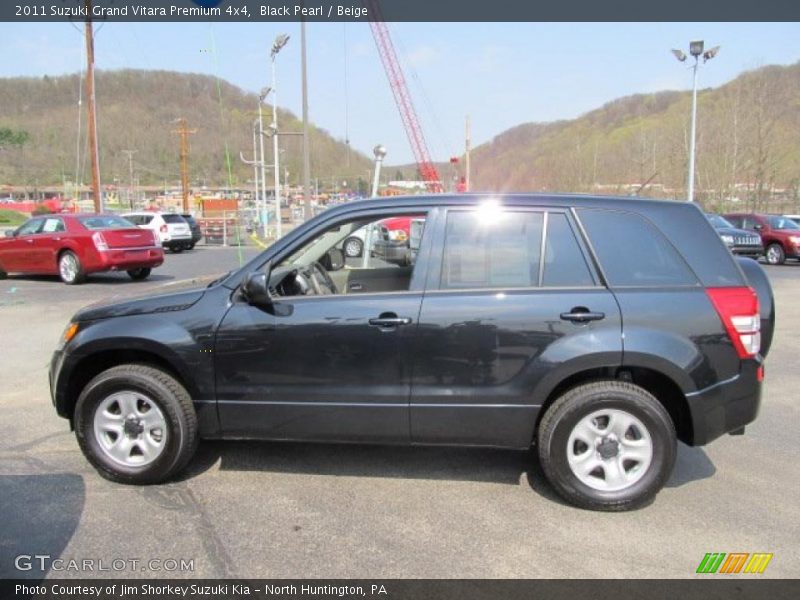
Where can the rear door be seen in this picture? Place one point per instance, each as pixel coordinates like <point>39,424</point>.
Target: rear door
<point>511,305</point>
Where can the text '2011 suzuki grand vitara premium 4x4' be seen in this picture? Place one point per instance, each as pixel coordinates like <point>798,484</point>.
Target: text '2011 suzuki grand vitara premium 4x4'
<point>599,330</point>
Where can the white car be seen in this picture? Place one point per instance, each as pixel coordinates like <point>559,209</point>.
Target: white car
<point>172,230</point>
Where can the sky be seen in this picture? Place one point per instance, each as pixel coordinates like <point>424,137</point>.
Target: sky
<point>501,74</point>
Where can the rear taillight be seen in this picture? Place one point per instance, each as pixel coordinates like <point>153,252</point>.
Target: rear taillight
<point>99,241</point>
<point>398,235</point>
<point>164,228</point>
<point>738,309</point>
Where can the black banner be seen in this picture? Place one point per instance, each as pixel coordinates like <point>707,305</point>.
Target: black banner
<point>712,588</point>
<point>400,10</point>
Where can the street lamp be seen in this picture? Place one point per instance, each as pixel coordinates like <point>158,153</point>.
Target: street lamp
<point>380,153</point>
<point>277,45</point>
<point>263,203</point>
<point>696,50</point>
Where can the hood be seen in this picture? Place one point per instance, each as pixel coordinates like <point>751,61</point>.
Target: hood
<point>170,297</point>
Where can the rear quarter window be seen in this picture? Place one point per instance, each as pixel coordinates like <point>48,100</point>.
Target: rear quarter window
<point>633,252</point>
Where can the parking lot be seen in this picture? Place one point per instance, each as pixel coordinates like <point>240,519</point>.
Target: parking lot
<point>275,510</point>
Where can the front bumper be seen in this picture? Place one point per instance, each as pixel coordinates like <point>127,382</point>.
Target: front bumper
<point>727,406</point>
<point>751,251</point>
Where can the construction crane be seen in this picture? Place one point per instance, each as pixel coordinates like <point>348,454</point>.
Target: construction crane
<point>397,81</point>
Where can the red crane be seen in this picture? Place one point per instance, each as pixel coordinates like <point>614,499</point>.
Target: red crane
<point>397,81</point>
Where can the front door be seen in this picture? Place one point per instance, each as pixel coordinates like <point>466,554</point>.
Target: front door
<point>320,367</point>
<point>513,303</point>
<point>16,252</point>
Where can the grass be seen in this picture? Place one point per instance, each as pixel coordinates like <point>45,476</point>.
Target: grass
<point>12,218</point>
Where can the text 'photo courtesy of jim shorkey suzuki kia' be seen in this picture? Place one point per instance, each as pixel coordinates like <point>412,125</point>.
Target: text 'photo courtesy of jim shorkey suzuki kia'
<point>599,331</point>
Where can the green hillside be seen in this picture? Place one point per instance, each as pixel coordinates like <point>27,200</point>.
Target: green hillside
<point>137,111</point>
<point>748,144</point>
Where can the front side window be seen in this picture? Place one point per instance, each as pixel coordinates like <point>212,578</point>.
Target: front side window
<point>492,248</point>
<point>782,223</point>
<point>633,252</point>
<point>363,255</point>
<point>31,227</point>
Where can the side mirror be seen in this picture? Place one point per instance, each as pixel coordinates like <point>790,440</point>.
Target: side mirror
<point>11,232</point>
<point>256,290</point>
<point>333,260</point>
<point>758,227</point>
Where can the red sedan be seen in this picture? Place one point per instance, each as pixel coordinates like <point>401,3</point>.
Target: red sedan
<point>72,246</point>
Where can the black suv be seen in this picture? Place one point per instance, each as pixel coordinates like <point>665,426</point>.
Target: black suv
<point>599,330</point>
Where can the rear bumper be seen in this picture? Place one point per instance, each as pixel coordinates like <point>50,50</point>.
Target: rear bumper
<point>128,258</point>
<point>727,406</point>
<point>390,251</point>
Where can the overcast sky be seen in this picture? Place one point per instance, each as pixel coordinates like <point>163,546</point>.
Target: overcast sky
<point>501,74</point>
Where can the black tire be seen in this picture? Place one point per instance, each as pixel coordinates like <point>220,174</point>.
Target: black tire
<point>69,275</point>
<point>139,274</point>
<point>568,410</point>
<point>774,254</point>
<point>190,245</point>
<point>176,248</point>
<point>350,246</point>
<point>3,274</point>
<point>168,395</point>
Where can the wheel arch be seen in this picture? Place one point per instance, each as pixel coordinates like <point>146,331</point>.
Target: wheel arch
<point>92,364</point>
<point>661,386</point>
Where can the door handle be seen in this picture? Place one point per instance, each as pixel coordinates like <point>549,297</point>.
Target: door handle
<point>389,321</point>
<point>581,314</point>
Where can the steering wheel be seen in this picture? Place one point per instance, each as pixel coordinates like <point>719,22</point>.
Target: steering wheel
<point>326,278</point>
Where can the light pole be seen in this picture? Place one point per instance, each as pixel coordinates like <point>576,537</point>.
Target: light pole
<point>263,204</point>
<point>696,50</point>
<point>380,153</point>
<point>277,45</point>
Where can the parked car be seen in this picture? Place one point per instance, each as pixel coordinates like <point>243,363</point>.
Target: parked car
<point>197,233</point>
<point>738,241</point>
<point>523,321</point>
<point>172,229</point>
<point>391,234</point>
<point>780,235</point>
<point>73,246</point>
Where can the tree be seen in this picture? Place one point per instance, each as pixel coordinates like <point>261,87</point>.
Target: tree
<point>9,137</point>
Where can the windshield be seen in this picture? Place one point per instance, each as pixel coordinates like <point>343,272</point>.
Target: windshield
<point>106,222</point>
<point>782,223</point>
<point>719,222</point>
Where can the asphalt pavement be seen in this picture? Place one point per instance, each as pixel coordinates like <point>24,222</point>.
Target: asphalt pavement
<point>246,509</point>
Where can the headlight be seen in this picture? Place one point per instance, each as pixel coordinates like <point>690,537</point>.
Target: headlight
<point>728,239</point>
<point>795,239</point>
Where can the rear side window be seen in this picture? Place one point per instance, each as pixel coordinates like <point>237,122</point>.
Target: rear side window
<point>174,219</point>
<point>487,251</point>
<point>564,264</point>
<point>633,252</point>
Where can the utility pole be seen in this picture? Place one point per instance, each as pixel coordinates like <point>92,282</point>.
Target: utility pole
<point>306,149</point>
<point>130,154</point>
<point>184,132</point>
<point>467,149</point>
<point>98,200</point>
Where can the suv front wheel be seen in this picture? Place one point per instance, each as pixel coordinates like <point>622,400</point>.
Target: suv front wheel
<point>136,424</point>
<point>608,445</point>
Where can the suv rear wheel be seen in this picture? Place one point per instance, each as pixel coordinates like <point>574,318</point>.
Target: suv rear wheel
<point>608,445</point>
<point>136,424</point>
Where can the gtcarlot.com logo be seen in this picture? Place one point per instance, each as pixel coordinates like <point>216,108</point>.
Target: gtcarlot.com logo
<point>44,562</point>
<point>734,562</point>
